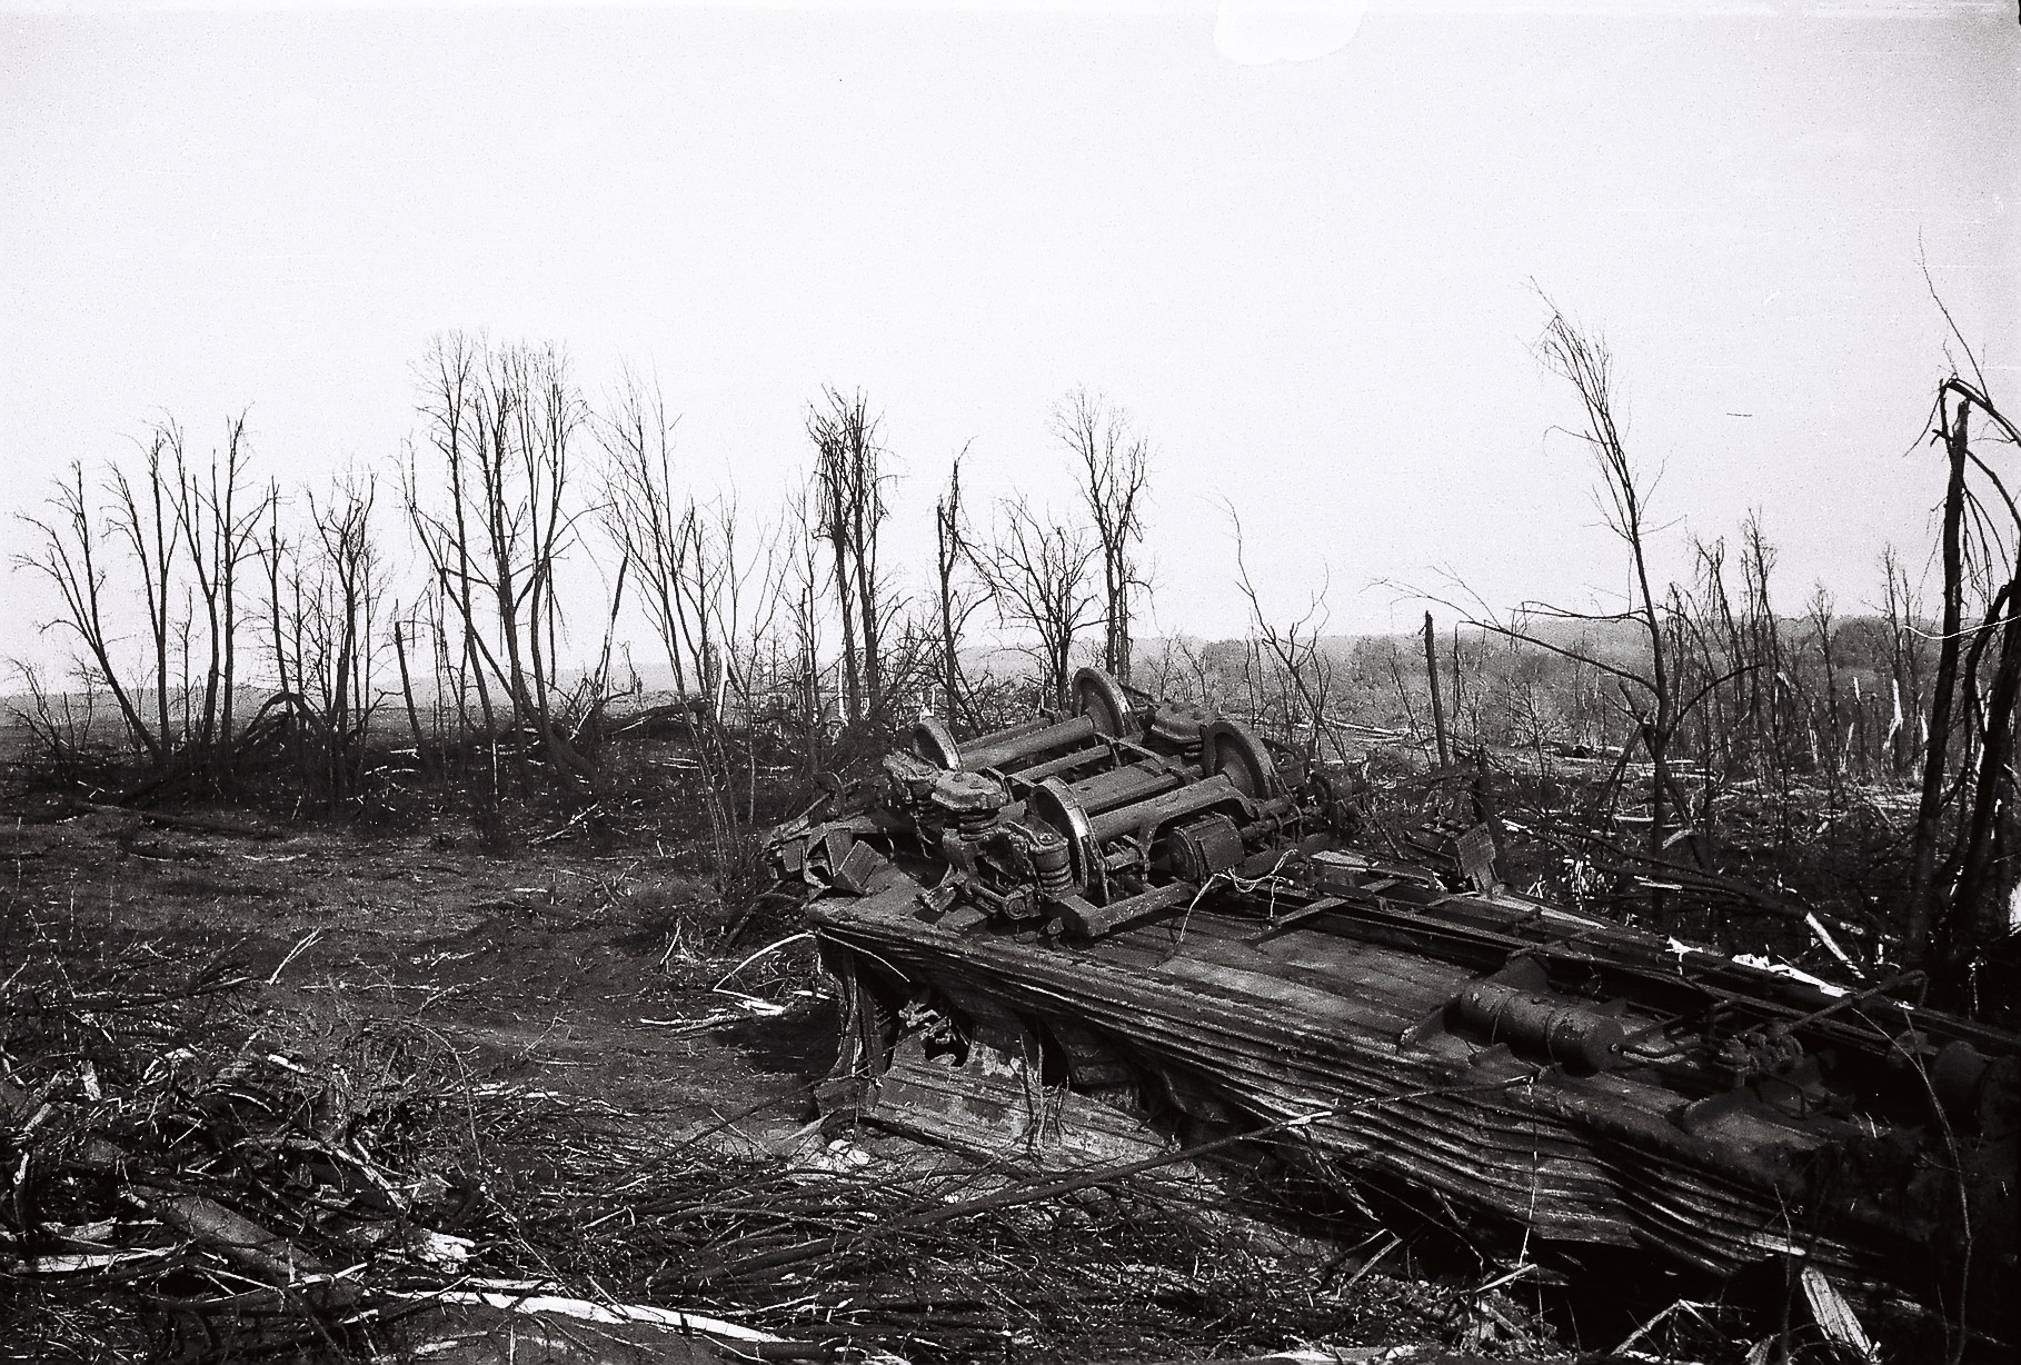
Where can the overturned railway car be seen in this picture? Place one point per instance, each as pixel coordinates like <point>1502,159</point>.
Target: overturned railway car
<point>1125,927</point>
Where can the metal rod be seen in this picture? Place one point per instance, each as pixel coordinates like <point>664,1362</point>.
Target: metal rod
<point>1159,809</point>
<point>1003,752</point>
<point>1106,791</point>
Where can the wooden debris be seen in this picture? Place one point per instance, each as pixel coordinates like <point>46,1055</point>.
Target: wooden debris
<point>1835,1317</point>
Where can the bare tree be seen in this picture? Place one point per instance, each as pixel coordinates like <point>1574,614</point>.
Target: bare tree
<point>450,377</point>
<point>219,524</point>
<point>1296,681</point>
<point>804,619</point>
<point>729,584</point>
<point>849,485</point>
<point>1647,687</point>
<point>187,530</point>
<point>1623,497</point>
<point>1709,643</point>
<point>59,723</point>
<point>70,555</point>
<point>145,519</point>
<point>713,589</point>
<point>328,587</point>
<point>1902,612</point>
<point>731,579</point>
<point>1956,908</point>
<point>956,599</point>
<point>1040,576</point>
<point>1114,465</point>
<point>651,525</point>
<point>505,421</point>
<point>1827,745</point>
<point>1769,710</point>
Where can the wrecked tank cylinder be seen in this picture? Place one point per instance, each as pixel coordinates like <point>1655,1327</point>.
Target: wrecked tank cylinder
<point>1573,1036</point>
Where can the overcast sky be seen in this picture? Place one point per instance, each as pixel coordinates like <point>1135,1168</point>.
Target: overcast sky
<point>1309,280</point>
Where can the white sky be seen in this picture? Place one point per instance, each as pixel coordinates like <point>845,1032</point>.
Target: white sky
<point>1309,280</point>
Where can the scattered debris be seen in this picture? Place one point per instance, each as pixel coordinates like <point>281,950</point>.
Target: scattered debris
<point>1835,1317</point>
<point>268,1199</point>
<point>1134,909</point>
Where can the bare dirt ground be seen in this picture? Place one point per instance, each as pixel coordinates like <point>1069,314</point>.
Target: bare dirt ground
<point>551,967</point>
<point>554,987</point>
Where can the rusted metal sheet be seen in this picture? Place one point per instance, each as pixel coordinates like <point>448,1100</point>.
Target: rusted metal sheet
<point>1131,922</point>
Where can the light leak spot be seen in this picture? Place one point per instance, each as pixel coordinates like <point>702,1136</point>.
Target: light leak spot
<point>1260,32</point>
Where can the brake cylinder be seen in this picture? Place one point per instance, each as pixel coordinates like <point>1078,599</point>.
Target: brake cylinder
<point>1578,1038</point>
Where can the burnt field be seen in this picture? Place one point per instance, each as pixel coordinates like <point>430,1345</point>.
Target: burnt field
<point>532,1081</point>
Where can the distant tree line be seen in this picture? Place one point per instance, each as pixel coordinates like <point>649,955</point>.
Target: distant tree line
<point>217,619</point>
